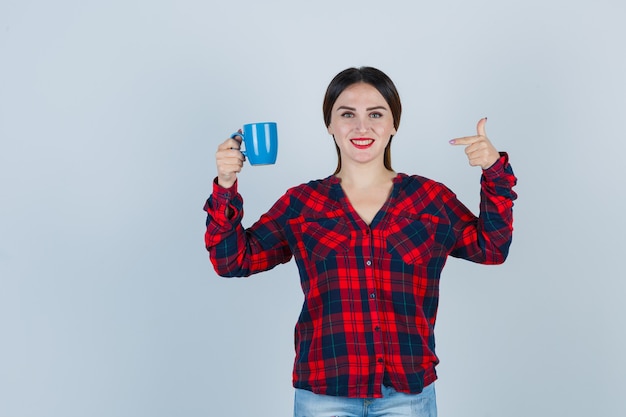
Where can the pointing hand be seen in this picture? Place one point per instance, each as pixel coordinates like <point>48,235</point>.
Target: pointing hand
<point>478,148</point>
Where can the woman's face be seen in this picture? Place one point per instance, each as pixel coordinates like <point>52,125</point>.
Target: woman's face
<point>361,123</point>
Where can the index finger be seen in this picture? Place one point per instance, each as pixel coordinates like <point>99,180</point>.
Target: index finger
<point>231,143</point>
<point>467,140</point>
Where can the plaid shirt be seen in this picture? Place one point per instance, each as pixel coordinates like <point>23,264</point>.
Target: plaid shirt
<point>370,292</point>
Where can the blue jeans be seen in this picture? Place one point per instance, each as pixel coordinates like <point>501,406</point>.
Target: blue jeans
<point>393,404</point>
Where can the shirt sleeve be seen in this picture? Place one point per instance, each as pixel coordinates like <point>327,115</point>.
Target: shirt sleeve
<point>486,239</point>
<point>234,250</point>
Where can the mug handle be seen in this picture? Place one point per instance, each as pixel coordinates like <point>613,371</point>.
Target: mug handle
<point>241,136</point>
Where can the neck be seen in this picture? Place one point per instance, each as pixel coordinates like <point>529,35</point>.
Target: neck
<point>365,176</point>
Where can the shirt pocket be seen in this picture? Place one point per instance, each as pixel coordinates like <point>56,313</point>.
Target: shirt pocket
<point>412,237</point>
<point>325,237</point>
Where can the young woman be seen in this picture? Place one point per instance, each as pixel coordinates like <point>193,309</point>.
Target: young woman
<point>370,245</point>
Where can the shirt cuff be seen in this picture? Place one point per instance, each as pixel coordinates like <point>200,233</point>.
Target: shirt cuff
<point>497,169</point>
<point>223,193</point>
<point>224,205</point>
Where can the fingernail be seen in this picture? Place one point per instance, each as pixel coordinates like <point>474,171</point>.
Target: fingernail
<point>451,141</point>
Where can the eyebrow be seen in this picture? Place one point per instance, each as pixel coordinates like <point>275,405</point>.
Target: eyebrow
<point>368,109</point>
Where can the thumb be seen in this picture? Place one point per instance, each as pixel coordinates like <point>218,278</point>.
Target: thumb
<point>480,127</point>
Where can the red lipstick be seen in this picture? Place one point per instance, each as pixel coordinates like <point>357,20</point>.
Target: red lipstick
<point>362,143</point>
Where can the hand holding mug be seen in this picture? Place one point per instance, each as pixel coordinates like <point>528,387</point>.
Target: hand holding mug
<point>260,147</point>
<point>229,161</point>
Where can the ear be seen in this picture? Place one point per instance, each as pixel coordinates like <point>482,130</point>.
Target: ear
<point>329,129</point>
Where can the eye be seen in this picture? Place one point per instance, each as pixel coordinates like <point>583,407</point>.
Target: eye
<point>347,114</point>
<point>376,115</point>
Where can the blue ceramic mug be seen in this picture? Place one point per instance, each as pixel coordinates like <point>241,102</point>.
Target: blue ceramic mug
<point>260,141</point>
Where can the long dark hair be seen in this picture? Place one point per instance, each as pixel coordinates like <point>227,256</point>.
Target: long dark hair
<point>377,79</point>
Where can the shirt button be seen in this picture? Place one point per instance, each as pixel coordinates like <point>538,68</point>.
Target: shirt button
<point>368,263</point>
<point>377,328</point>
<point>381,360</point>
<point>372,295</point>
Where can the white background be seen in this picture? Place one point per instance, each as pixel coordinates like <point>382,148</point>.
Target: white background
<point>110,115</point>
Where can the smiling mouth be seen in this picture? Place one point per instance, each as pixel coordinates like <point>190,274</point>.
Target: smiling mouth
<point>362,143</point>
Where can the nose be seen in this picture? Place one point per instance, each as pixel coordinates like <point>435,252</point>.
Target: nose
<point>362,124</point>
